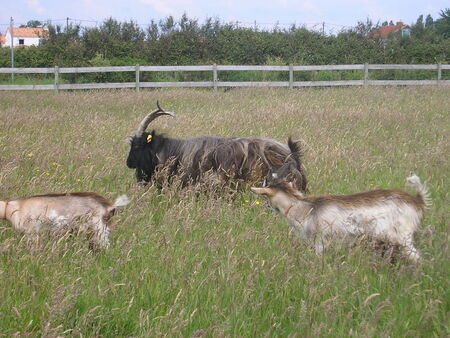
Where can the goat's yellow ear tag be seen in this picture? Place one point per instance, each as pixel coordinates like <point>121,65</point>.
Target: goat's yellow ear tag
<point>149,138</point>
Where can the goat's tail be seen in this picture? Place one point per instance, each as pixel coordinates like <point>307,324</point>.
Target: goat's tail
<point>297,155</point>
<point>296,151</point>
<point>121,201</point>
<point>414,182</point>
<point>3,209</point>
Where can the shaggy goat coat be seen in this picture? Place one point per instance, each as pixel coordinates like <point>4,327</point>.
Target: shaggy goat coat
<point>391,216</point>
<point>244,159</point>
<point>57,211</point>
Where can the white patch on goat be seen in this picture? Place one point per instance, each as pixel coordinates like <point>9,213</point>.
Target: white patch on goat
<point>56,219</point>
<point>390,220</point>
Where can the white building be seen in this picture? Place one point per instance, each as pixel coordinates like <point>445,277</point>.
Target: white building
<point>23,37</point>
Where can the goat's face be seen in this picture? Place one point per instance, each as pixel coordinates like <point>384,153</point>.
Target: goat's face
<point>270,194</point>
<point>279,194</point>
<point>142,156</point>
<point>144,147</point>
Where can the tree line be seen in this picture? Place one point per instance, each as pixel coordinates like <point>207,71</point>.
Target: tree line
<point>187,42</point>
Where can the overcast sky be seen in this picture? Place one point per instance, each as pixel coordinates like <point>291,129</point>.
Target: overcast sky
<point>266,13</point>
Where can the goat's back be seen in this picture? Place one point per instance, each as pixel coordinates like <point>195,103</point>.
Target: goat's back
<point>244,156</point>
<point>366,199</point>
<point>61,205</point>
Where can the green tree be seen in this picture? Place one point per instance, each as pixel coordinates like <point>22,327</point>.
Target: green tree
<point>418,29</point>
<point>443,23</point>
<point>429,21</point>
<point>114,39</point>
<point>33,24</point>
<point>152,31</point>
<point>63,46</point>
<point>167,26</point>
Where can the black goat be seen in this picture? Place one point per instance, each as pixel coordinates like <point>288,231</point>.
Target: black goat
<point>241,159</point>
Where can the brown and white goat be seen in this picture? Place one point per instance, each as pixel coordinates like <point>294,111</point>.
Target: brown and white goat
<point>389,216</point>
<point>59,211</point>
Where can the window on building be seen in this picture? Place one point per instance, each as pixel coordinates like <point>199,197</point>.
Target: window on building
<point>21,42</point>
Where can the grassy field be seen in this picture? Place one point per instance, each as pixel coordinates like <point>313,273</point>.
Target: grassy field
<point>181,265</point>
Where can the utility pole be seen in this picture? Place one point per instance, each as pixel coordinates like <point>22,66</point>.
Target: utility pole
<point>11,33</point>
<point>67,24</point>
<point>323,28</point>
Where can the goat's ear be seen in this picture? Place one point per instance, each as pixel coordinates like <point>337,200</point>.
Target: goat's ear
<point>294,190</point>
<point>151,137</point>
<point>263,191</point>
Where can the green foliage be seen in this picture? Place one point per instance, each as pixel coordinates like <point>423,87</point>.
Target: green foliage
<point>33,24</point>
<point>114,39</point>
<point>443,23</point>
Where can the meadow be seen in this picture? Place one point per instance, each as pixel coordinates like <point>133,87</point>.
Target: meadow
<point>184,264</point>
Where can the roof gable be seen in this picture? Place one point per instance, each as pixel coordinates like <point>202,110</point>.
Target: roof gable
<point>384,31</point>
<point>28,32</point>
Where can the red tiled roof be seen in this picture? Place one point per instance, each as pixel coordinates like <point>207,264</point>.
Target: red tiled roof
<point>386,30</point>
<point>29,32</point>
<point>2,39</point>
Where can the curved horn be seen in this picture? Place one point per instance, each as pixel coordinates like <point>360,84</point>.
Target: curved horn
<point>150,117</point>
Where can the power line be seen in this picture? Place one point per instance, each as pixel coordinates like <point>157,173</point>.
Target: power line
<point>317,26</point>
<point>82,20</point>
<point>277,23</point>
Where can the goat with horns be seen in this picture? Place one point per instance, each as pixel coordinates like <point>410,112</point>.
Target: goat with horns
<point>238,159</point>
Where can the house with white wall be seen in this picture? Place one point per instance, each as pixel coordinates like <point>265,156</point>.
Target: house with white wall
<point>26,36</point>
<point>399,29</point>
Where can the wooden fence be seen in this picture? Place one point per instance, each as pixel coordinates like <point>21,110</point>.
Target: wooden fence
<point>215,82</point>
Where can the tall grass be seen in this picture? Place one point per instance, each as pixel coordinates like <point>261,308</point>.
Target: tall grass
<point>183,264</point>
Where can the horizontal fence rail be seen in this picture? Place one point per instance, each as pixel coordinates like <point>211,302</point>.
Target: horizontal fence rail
<point>215,82</point>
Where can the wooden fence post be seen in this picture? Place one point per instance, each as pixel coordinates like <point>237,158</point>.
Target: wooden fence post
<point>137,77</point>
<point>56,79</point>
<point>439,73</point>
<point>291,76</point>
<point>215,76</point>
<point>366,74</point>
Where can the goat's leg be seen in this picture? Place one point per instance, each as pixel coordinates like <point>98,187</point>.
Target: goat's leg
<point>101,234</point>
<point>411,251</point>
<point>319,244</point>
